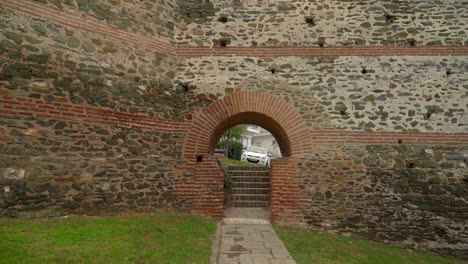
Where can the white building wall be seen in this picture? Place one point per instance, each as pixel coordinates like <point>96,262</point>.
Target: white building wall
<point>259,137</point>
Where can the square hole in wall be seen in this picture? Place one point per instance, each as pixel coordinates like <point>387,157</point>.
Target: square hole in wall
<point>223,19</point>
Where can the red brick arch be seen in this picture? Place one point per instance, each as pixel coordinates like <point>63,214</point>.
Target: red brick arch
<point>267,111</point>
<point>204,190</point>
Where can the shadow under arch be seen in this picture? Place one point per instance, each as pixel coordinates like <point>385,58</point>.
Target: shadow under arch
<point>256,119</point>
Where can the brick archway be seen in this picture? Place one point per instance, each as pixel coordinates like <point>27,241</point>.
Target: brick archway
<point>203,189</point>
<point>267,111</point>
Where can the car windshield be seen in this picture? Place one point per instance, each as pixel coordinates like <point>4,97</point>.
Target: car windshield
<point>257,150</point>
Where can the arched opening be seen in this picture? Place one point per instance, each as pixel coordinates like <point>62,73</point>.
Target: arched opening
<point>238,139</point>
<point>202,188</point>
<point>253,118</point>
<point>245,152</point>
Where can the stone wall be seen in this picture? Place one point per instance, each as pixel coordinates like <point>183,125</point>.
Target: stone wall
<point>421,194</point>
<point>45,60</point>
<point>60,150</point>
<point>319,23</point>
<point>148,18</point>
<point>410,194</point>
<point>56,167</point>
<point>358,93</point>
<point>104,108</point>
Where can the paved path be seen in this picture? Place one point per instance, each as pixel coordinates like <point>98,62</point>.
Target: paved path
<point>248,213</point>
<point>247,242</point>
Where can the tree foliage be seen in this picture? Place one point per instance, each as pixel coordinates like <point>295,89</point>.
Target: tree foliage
<point>231,140</point>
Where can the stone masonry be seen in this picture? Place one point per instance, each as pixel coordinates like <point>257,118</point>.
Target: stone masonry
<point>110,106</point>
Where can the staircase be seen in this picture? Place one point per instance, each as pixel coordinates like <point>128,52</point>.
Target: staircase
<point>251,186</point>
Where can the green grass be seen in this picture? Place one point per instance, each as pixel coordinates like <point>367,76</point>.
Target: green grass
<point>231,162</point>
<point>311,247</point>
<point>164,238</point>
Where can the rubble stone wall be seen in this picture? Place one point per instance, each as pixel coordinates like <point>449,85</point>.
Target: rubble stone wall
<point>113,106</point>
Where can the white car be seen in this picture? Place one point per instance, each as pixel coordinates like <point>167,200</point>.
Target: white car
<point>256,155</point>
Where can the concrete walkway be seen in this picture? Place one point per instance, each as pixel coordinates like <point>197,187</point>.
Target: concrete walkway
<point>248,241</point>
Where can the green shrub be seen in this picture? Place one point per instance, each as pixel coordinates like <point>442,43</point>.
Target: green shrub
<point>228,181</point>
<point>236,151</point>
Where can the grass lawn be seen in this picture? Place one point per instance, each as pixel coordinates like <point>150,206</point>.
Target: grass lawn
<point>312,247</point>
<point>231,162</point>
<point>163,238</point>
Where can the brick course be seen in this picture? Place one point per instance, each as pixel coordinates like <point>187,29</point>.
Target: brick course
<point>87,114</point>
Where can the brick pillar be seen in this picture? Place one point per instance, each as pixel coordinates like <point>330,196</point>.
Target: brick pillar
<point>208,187</point>
<point>286,197</point>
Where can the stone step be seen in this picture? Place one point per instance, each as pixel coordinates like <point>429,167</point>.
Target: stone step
<point>248,204</point>
<point>252,185</point>
<point>237,190</point>
<point>250,173</point>
<point>250,197</point>
<point>252,176</point>
<point>248,168</point>
<point>250,179</point>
